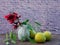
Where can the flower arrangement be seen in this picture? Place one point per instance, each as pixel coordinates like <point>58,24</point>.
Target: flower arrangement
<point>24,30</point>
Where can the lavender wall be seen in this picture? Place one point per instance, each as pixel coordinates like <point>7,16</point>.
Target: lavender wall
<point>47,12</point>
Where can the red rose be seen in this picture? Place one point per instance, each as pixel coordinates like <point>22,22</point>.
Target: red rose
<point>11,17</point>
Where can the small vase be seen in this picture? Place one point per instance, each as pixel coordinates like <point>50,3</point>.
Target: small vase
<point>23,32</point>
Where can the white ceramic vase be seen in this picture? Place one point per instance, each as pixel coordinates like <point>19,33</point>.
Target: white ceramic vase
<point>23,32</point>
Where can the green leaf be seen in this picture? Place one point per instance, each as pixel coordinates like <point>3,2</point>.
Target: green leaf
<point>29,27</point>
<point>11,35</point>
<point>7,39</point>
<point>31,40</point>
<point>38,23</point>
<point>14,37</point>
<point>6,35</point>
<point>13,41</point>
<point>25,22</point>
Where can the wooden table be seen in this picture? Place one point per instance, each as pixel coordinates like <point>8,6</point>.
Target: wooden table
<point>54,41</point>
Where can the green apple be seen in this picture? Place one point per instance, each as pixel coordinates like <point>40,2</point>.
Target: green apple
<point>40,37</point>
<point>48,35</point>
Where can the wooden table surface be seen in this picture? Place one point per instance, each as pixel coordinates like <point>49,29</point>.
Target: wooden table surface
<point>54,41</point>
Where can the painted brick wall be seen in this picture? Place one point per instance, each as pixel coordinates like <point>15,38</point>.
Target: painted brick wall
<point>47,12</point>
